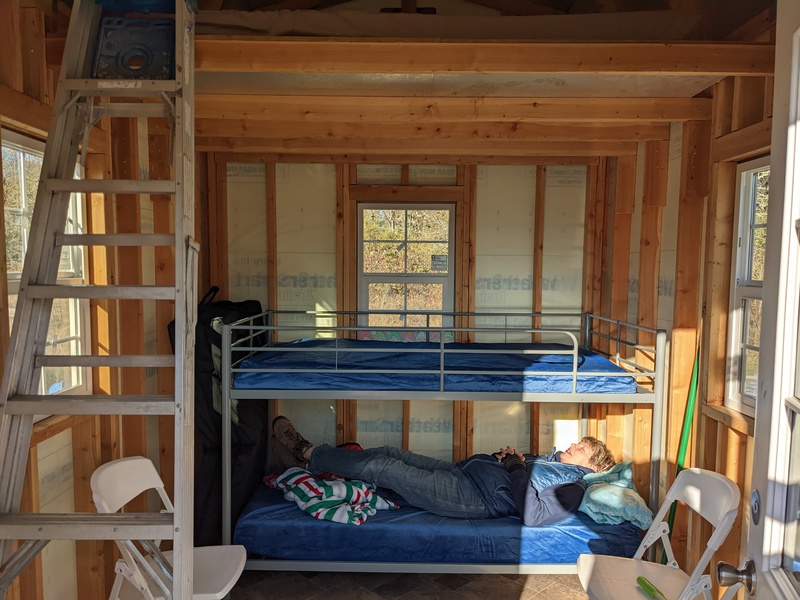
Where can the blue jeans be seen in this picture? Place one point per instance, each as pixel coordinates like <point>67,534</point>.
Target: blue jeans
<point>431,484</point>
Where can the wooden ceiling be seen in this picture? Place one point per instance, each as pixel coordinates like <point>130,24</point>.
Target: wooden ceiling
<point>717,19</point>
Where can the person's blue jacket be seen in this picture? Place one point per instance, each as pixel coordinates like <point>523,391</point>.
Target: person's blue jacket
<point>544,493</point>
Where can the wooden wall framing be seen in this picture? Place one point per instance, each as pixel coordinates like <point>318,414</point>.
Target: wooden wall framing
<point>729,124</point>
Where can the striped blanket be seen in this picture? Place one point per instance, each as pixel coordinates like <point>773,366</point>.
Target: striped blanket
<point>331,498</point>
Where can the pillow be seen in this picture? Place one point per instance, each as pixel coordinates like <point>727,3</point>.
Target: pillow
<point>612,504</point>
<point>611,498</point>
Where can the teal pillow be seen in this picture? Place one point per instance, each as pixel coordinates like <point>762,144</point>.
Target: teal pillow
<point>611,498</point>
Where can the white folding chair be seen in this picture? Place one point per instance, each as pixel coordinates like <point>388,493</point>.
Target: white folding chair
<point>714,497</point>
<point>140,577</point>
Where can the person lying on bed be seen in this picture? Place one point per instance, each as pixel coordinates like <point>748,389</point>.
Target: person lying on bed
<point>540,489</point>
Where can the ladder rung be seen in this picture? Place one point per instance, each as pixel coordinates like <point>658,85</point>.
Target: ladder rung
<point>132,109</point>
<point>121,87</point>
<point>111,186</point>
<point>109,292</point>
<point>68,404</point>
<point>118,360</point>
<point>115,239</point>
<point>86,526</point>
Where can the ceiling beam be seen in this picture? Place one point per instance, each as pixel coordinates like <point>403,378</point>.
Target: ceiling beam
<point>431,132</point>
<point>466,110</point>
<point>346,150</point>
<point>404,159</point>
<point>296,55</point>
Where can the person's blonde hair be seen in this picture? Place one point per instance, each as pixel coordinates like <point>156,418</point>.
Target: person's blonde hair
<point>601,459</point>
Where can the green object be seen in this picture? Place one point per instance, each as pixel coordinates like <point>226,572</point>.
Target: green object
<point>684,442</point>
<point>650,589</point>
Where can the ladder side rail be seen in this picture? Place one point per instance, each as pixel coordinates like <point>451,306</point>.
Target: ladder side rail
<point>63,125</point>
<point>16,430</point>
<point>186,252</point>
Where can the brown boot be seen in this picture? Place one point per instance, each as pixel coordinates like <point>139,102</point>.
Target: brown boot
<point>281,459</point>
<point>290,438</point>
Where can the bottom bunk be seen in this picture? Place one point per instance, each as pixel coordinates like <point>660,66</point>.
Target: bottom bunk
<point>280,536</point>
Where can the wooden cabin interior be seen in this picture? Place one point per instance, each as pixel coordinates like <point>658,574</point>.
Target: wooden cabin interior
<point>642,110</point>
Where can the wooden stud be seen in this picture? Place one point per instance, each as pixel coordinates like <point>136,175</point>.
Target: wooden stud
<point>11,67</point>
<point>201,220</point>
<point>271,201</point>
<point>653,203</point>
<point>164,222</point>
<point>30,584</point>
<point>718,252</point>
<point>748,102</point>
<point>731,459</point>
<point>128,220</point>
<point>221,228</point>
<point>688,281</point>
<point>620,242</point>
<point>88,554</point>
<point>34,64</point>
<point>590,232</point>
<point>538,246</point>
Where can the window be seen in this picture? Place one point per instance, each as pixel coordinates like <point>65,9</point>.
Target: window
<point>405,261</point>
<point>744,333</point>
<point>22,165</point>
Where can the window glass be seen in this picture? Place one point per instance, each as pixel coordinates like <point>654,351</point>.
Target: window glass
<point>405,260</point>
<point>22,166</point>
<point>746,286</point>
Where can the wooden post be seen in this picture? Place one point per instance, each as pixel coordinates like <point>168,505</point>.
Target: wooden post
<point>124,138</point>
<point>89,553</point>
<point>164,256</point>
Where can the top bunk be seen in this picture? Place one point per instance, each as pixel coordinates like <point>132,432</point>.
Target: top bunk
<point>577,357</point>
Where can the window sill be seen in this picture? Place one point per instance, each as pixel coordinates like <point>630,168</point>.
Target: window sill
<point>732,418</point>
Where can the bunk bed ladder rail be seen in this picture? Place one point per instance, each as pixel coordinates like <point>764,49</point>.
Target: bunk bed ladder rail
<point>77,108</point>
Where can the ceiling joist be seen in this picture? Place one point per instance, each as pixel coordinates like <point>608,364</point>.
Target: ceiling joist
<point>305,55</point>
<point>336,109</point>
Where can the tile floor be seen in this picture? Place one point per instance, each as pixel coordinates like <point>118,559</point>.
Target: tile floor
<point>284,585</point>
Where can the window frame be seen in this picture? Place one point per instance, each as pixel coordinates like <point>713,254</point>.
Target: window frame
<point>79,309</point>
<point>364,279</point>
<point>744,289</point>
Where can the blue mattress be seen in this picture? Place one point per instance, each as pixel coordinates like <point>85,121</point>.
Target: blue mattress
<point>271,527</point>
<point>467,368</point>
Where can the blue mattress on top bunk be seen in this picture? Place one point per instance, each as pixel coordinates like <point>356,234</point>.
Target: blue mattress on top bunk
<point>272,527</point>
<point>466,369</point>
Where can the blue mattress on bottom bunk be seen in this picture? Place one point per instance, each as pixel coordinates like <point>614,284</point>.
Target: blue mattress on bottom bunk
<point>477,367</point>
<point>272,527</point>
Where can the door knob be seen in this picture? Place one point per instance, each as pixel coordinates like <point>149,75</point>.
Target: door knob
<point>728,575</point>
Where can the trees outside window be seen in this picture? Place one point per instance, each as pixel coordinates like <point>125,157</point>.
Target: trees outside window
<point>22,165</point>
<point>750,239</point>
<point>406,262</point>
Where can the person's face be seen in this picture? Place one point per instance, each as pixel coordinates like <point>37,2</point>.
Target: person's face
<point>578,454</point>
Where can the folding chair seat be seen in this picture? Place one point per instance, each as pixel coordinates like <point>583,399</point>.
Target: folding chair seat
<point>216,568</point>
<point>712,496</point>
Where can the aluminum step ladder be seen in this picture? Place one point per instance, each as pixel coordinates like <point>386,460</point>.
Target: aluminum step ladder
<point>80,102</point>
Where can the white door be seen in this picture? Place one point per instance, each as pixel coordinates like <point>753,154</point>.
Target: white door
<point>773,543</point>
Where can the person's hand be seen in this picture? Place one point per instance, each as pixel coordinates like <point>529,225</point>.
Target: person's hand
<point>512,459</point>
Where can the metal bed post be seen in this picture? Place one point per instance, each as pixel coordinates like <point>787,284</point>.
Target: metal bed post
<point>587,330</point>
<point>226,435</point>
<point>656,450</point>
